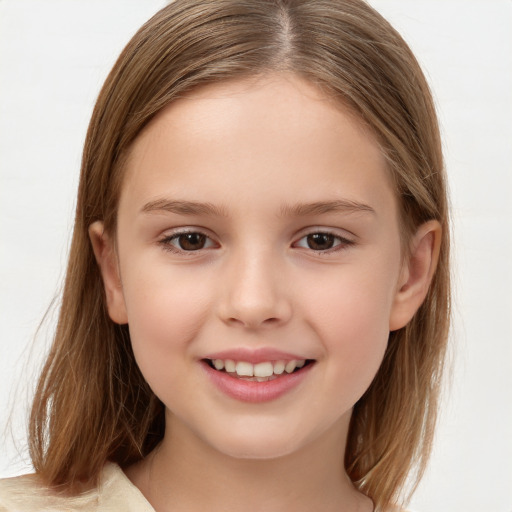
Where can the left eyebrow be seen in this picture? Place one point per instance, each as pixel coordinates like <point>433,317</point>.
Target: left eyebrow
<point>321,207</point>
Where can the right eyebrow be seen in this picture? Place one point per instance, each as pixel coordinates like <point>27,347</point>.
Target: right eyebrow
<point>183,208</point>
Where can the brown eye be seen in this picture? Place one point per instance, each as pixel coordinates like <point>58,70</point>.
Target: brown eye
<point>320,241</point>
<point>323,242</point>
<point>190,241</point>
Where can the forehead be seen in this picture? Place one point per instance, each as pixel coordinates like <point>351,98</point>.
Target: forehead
<point>256,135</point>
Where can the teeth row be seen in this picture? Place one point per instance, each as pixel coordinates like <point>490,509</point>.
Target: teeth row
<point>266,369</point>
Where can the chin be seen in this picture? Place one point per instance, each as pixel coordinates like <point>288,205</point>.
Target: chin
<point>258,450</point>
<point>259,442</point>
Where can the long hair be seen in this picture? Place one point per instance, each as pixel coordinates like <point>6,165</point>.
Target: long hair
<point>92,404</point>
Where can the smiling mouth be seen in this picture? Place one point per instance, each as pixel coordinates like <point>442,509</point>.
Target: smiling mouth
<point>259,372</point>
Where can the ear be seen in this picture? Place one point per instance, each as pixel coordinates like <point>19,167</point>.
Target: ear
<point>416,274</point>
<point>104,251</point>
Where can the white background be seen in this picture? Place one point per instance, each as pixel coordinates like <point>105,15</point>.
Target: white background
<point>54,56</point>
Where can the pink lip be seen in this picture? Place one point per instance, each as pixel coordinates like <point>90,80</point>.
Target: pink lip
<point>254,356</point>
<point>249,391</point>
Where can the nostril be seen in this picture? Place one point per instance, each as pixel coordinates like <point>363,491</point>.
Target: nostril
<point>233,320</point>
<point>253,322</point>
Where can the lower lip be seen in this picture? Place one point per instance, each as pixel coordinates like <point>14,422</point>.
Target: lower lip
<point>249,391</point>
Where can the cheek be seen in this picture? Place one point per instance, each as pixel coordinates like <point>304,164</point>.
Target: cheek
<point>165,314</point>
<point>350,300</point>
<point>350,313</point>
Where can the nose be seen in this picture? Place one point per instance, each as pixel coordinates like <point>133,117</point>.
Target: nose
<point>254,292</point>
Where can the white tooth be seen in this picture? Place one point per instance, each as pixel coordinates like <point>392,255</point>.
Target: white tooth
<point>244,369</point>
<point>261,379</point>
<point>219,364</point>
<point>290,366</point>
<point>230,366</point>
<point>301,363</point>
<point>279,367</point>
<point>263,370</point>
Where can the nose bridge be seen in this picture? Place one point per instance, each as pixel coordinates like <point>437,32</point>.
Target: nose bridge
<point>253,292</point>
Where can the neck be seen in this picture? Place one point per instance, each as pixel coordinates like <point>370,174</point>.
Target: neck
<point>185,473</point>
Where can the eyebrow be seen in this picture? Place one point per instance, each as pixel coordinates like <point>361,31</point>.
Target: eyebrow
<point>184,208</point>
<point>321,207</point>
<point>297,210</point>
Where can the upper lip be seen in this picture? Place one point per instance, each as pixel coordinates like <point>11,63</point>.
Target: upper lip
<point>254,356</point>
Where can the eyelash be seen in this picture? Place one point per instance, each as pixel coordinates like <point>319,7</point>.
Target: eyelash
<point>167,241</point>
<point>340,242</point>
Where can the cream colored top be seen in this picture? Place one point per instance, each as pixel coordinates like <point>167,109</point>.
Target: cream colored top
<point>115,493</point>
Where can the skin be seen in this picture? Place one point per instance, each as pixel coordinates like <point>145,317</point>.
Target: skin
<point>254,150</point>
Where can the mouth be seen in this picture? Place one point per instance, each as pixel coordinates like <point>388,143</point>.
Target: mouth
<point>260,372</point>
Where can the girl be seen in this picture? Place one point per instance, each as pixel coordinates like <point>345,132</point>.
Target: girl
<point>256,305</point>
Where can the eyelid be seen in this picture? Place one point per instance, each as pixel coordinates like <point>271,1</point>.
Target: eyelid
<point>166,239</point>
<point>344,241</point>
<point>173,234</point>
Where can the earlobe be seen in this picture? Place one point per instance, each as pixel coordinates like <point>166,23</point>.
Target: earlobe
<point>417,274</point>
<point>104,251</point>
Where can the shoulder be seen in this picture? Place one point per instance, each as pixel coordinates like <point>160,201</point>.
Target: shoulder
<point>13,491</point>
<point>115,493</point>
<point>27,494</point>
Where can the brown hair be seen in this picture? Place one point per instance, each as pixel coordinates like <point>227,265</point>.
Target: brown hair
<point>92,403</point>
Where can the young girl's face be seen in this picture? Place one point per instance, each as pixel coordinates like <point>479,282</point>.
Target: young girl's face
<point>257,227</point>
